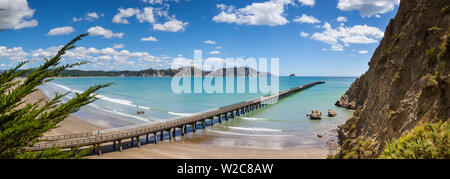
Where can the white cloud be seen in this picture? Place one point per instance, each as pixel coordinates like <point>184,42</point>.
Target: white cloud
<point>307,2</point>
<point>158,1</point>
<point>91,16</point>
<point>77,19</point>
<point>16,53</point>
<point>342,19</point>
<point>368,8</point>
<point>337,47</point>
<point>363,51</point>
<point>171,26</point>
<point>146,15</point>
<point>181,62</point>
<point>106,33</point>
<point>219,47</point>
<point>150,39</point>
<point>304,34</point>
<point>306,19</point>
<point>118,46</point>
<point>211,63</point>
<point>215,52</point>
<point>211,42</point>
<point>344,36</point>
<point>16,15</point>
<point>120,17</point>
<point>100,59</point>
<point>271,13</point>
<point>61,31</point>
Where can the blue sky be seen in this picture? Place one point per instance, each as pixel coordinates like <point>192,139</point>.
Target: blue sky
<point>305,35</point>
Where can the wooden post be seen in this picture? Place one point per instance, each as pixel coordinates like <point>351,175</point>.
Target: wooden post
<point>174,132</point>
<point>138,142</point>
<point>99,149</point>
<point>162,135</point>
<point>194,126</point>
<point>120,146</point>
<point>155,135</point>
<point>204,123</point>
<point>182,130</point>
<point>232,114</point>
<point>220,118</point>
<point>132,141</point>
<point>170,134</point>
<point>226,116</point>
<point>114,145</point>
<point>212,121</point>
<point>146,139</point>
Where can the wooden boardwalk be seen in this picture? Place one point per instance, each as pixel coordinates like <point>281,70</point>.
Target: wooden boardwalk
<point>116,136</point>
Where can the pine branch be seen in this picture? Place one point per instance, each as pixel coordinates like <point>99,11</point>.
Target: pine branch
<point>21,127</point>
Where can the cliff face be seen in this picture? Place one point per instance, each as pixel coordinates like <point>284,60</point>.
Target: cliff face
<point>407,83</point>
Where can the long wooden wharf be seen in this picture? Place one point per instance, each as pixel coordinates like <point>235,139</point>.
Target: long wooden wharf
<point>135,132</point>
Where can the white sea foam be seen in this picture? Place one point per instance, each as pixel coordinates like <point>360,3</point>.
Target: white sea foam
<point>251,135</point>
<point>253,119</point>
<point>181,114</point>
<point>119,113</point>
<point>106,98</point>
<point>66,88</point>
<point>122,102</point>
<point>255,129</point>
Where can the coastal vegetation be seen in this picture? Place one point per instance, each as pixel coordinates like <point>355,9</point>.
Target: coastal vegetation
<point>430,141</point>
<point>425,142</point>
<point>410,119</point>
<point>22,123</point>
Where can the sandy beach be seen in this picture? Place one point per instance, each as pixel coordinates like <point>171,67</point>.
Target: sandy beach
<point>201,145</point>
<point>69,125</point>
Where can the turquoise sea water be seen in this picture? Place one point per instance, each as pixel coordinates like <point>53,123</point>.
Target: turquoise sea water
<point>118,104</point>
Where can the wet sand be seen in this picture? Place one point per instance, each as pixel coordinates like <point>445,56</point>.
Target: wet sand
<point>200,145</point>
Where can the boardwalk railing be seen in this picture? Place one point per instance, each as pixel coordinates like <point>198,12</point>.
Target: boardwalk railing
<point>135,131</point>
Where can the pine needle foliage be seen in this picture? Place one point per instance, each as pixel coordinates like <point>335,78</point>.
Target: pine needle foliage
<point>22,124</point>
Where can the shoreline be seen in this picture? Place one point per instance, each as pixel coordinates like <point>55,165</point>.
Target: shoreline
<point>198,76</point>
<point>69,125</point>
<point>200,145</point>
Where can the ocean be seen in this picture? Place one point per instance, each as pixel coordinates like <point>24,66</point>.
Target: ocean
<point>118,104</point>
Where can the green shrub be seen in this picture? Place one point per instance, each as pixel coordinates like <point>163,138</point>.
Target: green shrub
<point>444,10</point>
<point>424,142</point>
<point>361,150</point>
<point>396,77</point>
<point>386,52</point>
<point>444,45</point>
<point>431,54</point>
<point>434,28</point>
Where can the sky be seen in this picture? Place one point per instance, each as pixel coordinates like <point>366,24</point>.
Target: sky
<point>310,37</point>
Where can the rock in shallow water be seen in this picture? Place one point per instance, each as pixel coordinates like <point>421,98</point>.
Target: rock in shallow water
<point>316,114</point>
<point>332,113</point>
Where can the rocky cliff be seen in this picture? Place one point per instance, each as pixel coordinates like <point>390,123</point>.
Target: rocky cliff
<point>407,83</point>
